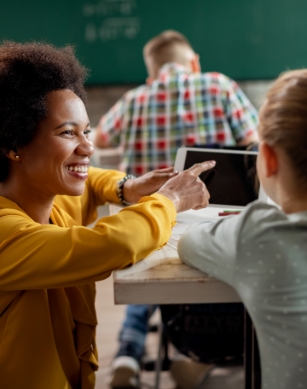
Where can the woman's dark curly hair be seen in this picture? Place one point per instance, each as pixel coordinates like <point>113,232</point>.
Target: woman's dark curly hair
<point>28,72</point>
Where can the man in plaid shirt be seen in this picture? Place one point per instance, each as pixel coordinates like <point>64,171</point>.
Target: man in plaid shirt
<point>178,106</point>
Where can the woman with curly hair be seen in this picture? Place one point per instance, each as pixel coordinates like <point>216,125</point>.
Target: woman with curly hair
<point>49,260</point>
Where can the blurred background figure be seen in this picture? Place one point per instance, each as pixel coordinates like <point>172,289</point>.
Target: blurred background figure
<point>178,106</point>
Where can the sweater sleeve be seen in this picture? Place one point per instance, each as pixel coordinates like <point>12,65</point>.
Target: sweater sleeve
<point>212,247</point>
<point>227,248</point>
<point>35,256</point>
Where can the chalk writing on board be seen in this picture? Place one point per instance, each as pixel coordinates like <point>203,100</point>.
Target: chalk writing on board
<point>111,20</point>
<point>109,7</point>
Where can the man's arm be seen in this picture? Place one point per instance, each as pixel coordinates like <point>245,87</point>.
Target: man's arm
<point>101,139</point>
<point>108,130</point>
<point>248,139</point>
<point>241,114</point>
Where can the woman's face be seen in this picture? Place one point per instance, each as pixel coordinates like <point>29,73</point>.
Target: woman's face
<point>57,160</point>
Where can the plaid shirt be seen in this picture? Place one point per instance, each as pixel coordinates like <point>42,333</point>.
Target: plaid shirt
<point>179,108</point>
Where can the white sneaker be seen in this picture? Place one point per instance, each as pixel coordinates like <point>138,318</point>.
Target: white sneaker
<point>189,374</point>
<point>124,373</point>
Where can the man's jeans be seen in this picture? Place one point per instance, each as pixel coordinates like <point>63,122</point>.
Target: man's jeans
<point>133,333</point>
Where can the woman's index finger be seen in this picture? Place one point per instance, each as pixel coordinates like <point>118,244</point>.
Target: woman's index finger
<point>198,168</point>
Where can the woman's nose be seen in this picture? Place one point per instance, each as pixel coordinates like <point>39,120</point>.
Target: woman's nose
<point>85,147</point>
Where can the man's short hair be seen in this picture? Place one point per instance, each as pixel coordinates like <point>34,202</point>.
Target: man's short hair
<point>169,46</point>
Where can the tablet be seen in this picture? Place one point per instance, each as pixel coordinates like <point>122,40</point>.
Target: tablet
<point>233,182</point>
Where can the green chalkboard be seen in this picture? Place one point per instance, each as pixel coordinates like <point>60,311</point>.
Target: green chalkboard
<point>245,39</point>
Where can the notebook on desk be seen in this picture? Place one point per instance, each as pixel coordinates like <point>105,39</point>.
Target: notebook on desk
<point>233,182</point>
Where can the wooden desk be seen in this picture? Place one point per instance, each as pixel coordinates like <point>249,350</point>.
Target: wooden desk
<point>163,279</point>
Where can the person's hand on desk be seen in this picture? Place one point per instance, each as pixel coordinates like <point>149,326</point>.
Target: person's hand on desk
<point>186,190</point>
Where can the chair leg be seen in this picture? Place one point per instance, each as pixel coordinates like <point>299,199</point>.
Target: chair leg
<point>163,362</point>
<point>159,356</point>
<point>251,355</point>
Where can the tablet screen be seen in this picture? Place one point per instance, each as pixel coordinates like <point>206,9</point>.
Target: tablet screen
<point>233,180</point>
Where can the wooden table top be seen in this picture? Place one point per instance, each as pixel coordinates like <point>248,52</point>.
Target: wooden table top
<point>162,278</point>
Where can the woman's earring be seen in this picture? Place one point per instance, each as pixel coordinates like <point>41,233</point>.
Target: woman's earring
<point>17,156</point>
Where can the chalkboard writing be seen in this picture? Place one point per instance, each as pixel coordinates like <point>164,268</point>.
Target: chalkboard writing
<point>117,20</point>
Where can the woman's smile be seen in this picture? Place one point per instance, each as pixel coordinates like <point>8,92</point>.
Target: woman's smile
<point>78,170</point>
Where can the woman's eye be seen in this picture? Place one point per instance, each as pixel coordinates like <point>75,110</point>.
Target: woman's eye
<point>87,132</point>
<point>67,132</point>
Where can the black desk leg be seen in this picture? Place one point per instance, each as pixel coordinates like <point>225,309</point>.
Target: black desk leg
<point>251,355</point>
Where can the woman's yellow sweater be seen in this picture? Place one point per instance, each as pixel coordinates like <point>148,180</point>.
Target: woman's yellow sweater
<point>47,275</point>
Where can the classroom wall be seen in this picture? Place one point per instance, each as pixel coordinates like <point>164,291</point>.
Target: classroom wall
<point>245,39</point>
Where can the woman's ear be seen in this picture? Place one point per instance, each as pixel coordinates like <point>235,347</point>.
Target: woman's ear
<point>270,159</point>
<point>13,155</point>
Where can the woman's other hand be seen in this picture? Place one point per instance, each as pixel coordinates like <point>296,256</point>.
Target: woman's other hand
<point>186,190</point>
<point>147,184</point>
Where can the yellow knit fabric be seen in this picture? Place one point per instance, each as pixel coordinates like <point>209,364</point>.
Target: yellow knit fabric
<point>47,275</point>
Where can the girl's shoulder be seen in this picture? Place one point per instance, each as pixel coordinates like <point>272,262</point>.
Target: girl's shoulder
<point>261,221</point>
